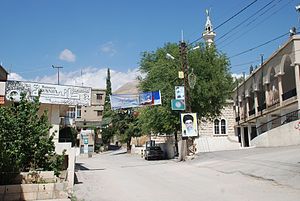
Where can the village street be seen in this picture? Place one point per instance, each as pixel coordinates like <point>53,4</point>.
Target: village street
<point>249,174</point>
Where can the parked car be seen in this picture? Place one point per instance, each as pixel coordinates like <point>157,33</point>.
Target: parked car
<point>154,153</point>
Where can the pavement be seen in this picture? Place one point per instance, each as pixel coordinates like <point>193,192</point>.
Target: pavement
<point>280,165</point>
<point>253,174</point>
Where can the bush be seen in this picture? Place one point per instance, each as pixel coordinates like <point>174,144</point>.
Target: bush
<point>25,143</point>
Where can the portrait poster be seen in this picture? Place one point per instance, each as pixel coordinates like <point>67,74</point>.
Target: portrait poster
<point>179,92</point>
<point>189,125</point>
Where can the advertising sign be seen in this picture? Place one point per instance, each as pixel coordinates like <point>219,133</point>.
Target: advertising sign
<point>50,93</point>
<point>189,126</point>
<point>123,101</point>
<point>119,101</point>
<point>177,104</point>
<point>179,92</point>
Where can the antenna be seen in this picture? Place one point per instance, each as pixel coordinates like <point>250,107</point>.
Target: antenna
<point>298,10</point>
<point>181,35</point>
<point>81,77</point>
<point>58,67</point>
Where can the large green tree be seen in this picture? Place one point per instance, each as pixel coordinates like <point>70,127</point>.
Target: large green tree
<point>208,97</point>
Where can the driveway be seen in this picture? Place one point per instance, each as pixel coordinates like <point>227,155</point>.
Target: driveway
<point>249,174</point>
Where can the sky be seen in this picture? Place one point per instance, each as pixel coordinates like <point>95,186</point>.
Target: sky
<point>86,37</point>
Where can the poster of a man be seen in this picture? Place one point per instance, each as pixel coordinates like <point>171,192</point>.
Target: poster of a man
<point>189,125</point>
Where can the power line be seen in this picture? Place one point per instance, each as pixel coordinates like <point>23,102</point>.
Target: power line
<point>245,68</point>
<point>241,23</point>
<point>265,43</point>
<point>255,26</point>
<point>249,62</point>
<point>236,14</point>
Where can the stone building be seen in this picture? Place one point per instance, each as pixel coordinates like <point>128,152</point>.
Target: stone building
<point>218,134</point>
<point>267,103</point>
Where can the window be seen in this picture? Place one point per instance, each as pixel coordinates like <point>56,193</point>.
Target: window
<point>71,112</point>
<point>223,126</point>
<point>99,96</point>
<point>99,113</point>
<point>78,113</point>
<point>217,128</point>
<point>220,127</point>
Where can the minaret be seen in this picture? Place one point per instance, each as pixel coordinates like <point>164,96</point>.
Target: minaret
<point>208,33</point>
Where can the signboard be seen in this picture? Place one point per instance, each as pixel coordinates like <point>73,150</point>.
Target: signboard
<point>146,98</point>
<point>177,104</point>
<point>180,74</point>
<point>179,92</point>
<point>2,100</point>
<point>119,101</point>
<point>50,93</point>
<point>122,101</point>
<point>189,127</point>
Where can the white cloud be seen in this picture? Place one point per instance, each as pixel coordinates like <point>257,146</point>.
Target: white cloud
<point>108,48</point>
<point>91,77</point>
<point>67,55</point>
<point>237,76</point>
<point>15,76</point>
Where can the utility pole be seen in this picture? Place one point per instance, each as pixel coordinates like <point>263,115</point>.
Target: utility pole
<point>184,61</point>
<point>57,67</point>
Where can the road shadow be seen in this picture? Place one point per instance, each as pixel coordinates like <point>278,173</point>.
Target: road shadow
<point>76,180</point>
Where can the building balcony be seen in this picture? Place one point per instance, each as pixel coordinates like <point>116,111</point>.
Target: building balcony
<point>251,112</point>
<point>262,107</point>
<point>289,94</point>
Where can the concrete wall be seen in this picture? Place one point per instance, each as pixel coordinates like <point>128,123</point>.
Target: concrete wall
<point>47,191</point>
<point>71,152</point>
<point>285,135</point>
<point>208,144</point>
<point>2,88</point>
<point>208,141</point>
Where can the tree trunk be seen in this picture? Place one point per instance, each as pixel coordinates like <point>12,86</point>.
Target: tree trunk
<point>128,146</point>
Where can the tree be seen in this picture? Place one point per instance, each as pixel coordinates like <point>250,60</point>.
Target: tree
<point>107,105</point>
<point>25,143</point>
<point>212,88</point>
<point>125,123</point>
<point>107,130</point>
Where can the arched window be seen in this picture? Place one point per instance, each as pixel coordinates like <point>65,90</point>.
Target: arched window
<point>223,126</point>
<point>217,126</point>
<point>220,127</point>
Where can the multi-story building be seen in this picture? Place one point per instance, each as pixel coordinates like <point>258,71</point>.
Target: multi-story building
<point>90,116</point>
<point>86,119</point>
<point>3,78</point>
<point>87,116</point>
<point>267,103</point>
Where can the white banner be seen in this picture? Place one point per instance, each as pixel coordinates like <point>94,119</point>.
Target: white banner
<point>50,93</point>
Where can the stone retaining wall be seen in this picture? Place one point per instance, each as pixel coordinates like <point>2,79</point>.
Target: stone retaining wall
<point>33,191</point>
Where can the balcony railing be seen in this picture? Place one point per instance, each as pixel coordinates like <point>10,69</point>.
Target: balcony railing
<point>289,94</point>
<point>262,107</point>
<point>251,112</point>
<point>274,123</point>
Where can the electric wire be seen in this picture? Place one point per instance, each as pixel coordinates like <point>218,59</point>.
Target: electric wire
<point>254,26</point>
<point>240,70</point>
<point>244,21</point>
<point>263,44</point>
<point>230,18</point>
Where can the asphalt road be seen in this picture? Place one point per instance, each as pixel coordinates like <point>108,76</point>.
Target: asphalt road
<point>249,174</point>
